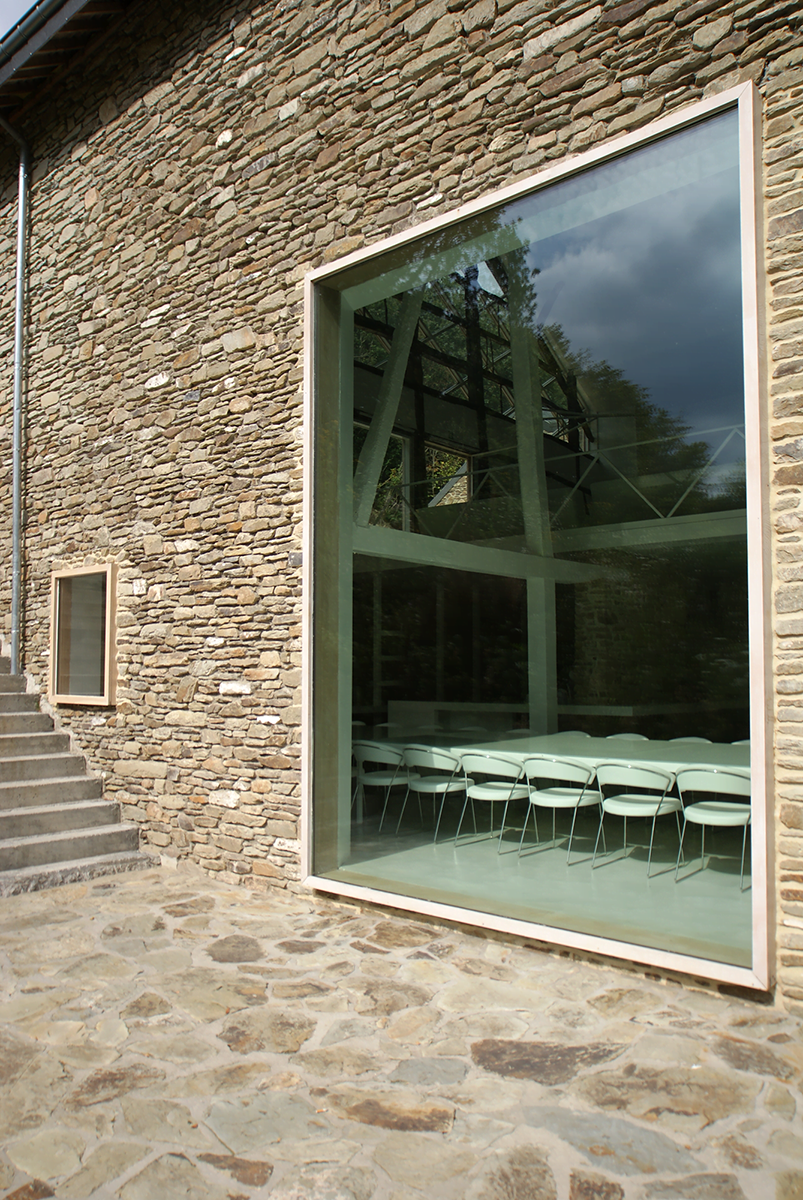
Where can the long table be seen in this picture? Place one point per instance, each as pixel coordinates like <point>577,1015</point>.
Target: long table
<point>666,756</point>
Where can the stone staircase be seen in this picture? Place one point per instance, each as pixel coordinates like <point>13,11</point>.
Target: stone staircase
<point>55,826</point>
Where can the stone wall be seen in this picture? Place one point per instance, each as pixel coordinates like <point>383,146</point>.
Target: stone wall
<point>184,185</point>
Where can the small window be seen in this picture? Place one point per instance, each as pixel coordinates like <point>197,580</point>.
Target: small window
<point>82,636</point>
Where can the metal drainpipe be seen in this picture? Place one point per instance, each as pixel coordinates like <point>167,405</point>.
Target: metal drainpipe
<point>19,318</point>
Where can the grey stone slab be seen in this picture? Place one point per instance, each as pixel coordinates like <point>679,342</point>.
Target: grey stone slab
<point>518,1174</point>
<point>698,1097</point>
<point>235,948</point>
<point>171,1175</point>
<point>162,1121</point>
<point>612,1144</point>
<point>282,1031</point>
<point>695,1187</point>
<point>425,1072</point>
<point>318,1181</point>
<point>245,1126</point>
<point>103,1166</point>
<point>421,1161</point>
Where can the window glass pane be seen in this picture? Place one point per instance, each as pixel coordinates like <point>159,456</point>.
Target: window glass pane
<point>81,635</point>
<point>542,548</point>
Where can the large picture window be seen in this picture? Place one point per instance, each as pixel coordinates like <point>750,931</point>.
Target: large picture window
<point>531,675</point>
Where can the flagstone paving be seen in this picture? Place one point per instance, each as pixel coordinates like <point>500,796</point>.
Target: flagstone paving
<point>165,1035</point>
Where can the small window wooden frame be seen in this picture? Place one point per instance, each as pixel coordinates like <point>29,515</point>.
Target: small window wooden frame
<point>82,644</point>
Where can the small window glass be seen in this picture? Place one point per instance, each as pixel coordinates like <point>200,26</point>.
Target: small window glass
<point>81,636</point>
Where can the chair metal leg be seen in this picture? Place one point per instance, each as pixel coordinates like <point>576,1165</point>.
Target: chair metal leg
<point>596,843</point>
<point>404,805</point>
<point>440,814</point>
<point>571,836</point>
<point>524,827</point>
<point>652,838</point>
<point>680,848</point>
<point>460,822</point>
<point>502,830</point>
<point>384,809</point>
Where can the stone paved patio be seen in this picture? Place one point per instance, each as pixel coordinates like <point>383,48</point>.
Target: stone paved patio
<point>163,1035</point>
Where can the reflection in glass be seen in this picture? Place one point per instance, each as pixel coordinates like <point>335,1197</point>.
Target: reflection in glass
<point>544,413</point>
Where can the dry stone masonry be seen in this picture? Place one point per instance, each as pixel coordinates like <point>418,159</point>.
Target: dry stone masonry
<point>184,184</point>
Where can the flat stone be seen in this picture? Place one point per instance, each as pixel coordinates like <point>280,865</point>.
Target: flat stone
<point>300,946</point>
<point>30,1100</point>
<point>414,1024</point>
<point>37,1189</point>
<point>382,999</point>
<point>244,1170</point>
<point>753,1057</point>
<point>519,1174</point>
<point>103,1166</point>
<point>549,1063</point>
<point>316,1181</point>
<point>419,1161</point>
<point>319,1150</point>
<point>149,1004</point>
<point>424,1072</point>
<point>742,1154</point>
<point>16,1053</point>
<point>623,1002</point>
<point>783,1141</point>
<point>235,949</point>
<point>236,1078</point>
<point>85,1055</point>
<point>352,1027</point>
<point>281,1032</point>
<point>138,925</point>
<point>697,1096</point>
<point>48,1154</point>
<point>167,960</point>
<point>395,935</point>
<point>788,1185</point>
<point>336,1060</point>
<point>696,1187</point>
<point>245,1125</point>
<point>171,1047</point>
<point>615,1145</point>
<point>392,1111</point>
<point>587,1185</point>
<point>187,908</point>
<point>300,990</point>
<point>466,996</point>
<point>171,1175</point>
<point>108,1084</point>
<point>207,994</point>
<point>100,966</point>
<point>162,1121</point>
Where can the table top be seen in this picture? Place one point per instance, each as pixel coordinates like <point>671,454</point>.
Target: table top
<point>667,756</point>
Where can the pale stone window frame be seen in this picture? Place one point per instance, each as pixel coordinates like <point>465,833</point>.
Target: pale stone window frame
<point>320,328</point>
<point>106,698</point>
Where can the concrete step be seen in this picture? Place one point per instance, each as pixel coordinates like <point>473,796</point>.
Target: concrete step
<point>22,793</point>
<point>18,702</point>
<point>23,745</point>
<point>40,766</point>
<point>25,722</point>
<point>12,683</point>
<point>36,820</point>
<point>46,849</point>
<point>36,879</point>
